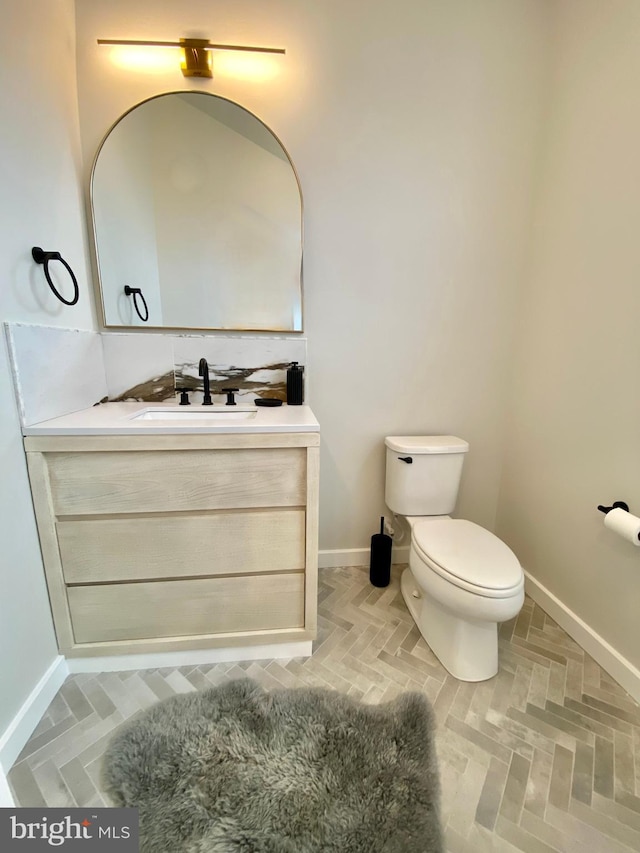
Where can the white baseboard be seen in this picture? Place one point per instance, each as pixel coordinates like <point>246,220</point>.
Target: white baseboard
<point>357,557</point>
<point>345,557</point>
<point>21,727</point>
<point>195,657</point>
<point>618,667</point>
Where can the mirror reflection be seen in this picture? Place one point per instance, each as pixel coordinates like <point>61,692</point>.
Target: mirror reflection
<point>196,205</point>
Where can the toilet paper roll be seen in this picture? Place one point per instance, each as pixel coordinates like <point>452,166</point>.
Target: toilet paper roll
<point>624,524</point>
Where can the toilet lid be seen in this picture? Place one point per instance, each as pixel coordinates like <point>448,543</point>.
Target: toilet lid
<point>468,553</point>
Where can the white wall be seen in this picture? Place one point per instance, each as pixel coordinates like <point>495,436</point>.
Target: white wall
<point>574,436</point>
<point>413,126</point>
<point>41,205</point>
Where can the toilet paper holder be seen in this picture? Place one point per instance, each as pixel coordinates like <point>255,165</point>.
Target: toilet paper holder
<point>616,505</point>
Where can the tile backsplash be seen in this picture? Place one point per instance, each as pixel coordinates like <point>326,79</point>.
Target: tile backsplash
<point>139,367</point>
<point>83,368</point>
<point>55,370</point>
<point>256,366</point>
<point>150,367</point>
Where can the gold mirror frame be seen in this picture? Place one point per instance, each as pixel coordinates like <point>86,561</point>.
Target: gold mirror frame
<point>117,306</point>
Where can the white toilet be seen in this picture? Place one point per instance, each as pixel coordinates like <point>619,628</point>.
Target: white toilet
<point>462,580</point>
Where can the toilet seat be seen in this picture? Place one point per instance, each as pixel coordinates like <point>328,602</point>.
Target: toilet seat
<point>468,556</point>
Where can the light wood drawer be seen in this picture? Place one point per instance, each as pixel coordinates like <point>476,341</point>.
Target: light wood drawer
<point>178,608</point>
<point>172,546</point>
<point>172,481</point>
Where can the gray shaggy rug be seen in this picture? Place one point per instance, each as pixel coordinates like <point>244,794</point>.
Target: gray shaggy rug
<point>237,769</point>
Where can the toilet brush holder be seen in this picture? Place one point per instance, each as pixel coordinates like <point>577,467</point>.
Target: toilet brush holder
<point>380,565</point>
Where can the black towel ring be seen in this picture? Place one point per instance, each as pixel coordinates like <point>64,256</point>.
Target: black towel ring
<point>135,292</point>
<point>42,257</point>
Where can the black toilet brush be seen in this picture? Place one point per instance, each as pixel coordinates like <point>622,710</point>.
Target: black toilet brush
<point>380,565</point>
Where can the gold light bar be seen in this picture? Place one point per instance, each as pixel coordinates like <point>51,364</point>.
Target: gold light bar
<point>207,45</point>
<point>196,61</point>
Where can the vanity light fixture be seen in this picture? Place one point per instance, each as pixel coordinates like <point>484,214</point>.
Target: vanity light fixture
<point>196,53</point>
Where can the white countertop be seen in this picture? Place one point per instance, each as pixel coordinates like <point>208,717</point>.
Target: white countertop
<point>123,419</point>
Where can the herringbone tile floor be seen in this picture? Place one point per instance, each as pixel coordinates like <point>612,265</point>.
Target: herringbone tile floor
<point>543,757</point>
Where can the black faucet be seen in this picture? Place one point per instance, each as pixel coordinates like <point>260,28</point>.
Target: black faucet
<point>203,370</point>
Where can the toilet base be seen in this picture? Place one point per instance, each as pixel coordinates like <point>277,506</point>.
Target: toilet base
<point>467,648</point>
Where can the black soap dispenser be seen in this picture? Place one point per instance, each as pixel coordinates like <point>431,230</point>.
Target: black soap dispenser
<point>295,384</point>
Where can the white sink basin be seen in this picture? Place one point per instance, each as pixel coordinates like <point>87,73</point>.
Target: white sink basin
<point>185,414</point>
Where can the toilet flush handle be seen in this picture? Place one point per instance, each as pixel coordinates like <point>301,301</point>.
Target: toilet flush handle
<point>407,459</point>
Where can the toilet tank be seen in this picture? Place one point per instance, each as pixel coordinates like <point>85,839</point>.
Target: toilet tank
<point>428,484</point>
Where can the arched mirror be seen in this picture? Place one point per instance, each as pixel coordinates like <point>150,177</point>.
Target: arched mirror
<point>197,217</point>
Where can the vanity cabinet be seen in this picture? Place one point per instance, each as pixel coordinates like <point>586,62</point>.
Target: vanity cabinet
<point>167,542</point>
